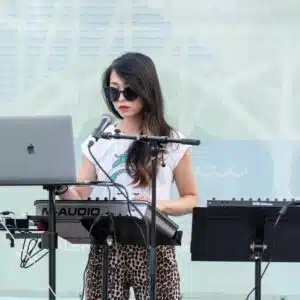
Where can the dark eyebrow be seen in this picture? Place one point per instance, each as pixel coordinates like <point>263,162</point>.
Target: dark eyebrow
<point>117,85</point>
<point>114,83</point>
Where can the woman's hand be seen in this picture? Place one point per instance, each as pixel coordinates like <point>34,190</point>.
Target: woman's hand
<point>143,197</point>
<point>159,204</point>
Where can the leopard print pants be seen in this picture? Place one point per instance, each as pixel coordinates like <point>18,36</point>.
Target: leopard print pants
<point>128,268</point>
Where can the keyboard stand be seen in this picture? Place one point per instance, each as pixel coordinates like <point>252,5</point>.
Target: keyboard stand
<point>88,222</point>
<point>107,243</point>
<point>109,231</point>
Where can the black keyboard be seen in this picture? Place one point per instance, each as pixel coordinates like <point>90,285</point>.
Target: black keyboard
<point>250,202</point>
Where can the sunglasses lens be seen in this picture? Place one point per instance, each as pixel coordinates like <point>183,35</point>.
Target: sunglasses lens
<point>129,94</point>
<point>112,94</point>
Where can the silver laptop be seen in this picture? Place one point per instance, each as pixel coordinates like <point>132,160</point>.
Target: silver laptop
<point>36,150</point>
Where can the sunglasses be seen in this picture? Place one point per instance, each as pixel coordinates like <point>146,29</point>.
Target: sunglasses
<point>113,94</point>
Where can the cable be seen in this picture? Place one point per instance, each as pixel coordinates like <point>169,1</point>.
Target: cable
<point>37,260</point>
<point>7,213</point>
<point>28,253</point>
<point>91,238</point>
<point>6,229</point>
<point>263,273</point>
<point>126,196</point>
<point>281,213</point>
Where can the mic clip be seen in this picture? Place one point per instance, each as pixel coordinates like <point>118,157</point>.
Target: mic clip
<point>162,150</point>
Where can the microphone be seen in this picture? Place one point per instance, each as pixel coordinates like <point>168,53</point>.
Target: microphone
<point>106,120</point>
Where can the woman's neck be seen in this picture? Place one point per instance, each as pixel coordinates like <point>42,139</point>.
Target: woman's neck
<point>130,125</point>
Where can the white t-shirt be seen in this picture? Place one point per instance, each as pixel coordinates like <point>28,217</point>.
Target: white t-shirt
<point>111,155</point>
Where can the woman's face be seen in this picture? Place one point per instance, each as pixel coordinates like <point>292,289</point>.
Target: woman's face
<point>125,100</point>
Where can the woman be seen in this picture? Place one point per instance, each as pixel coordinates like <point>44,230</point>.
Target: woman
<point>133,94</point>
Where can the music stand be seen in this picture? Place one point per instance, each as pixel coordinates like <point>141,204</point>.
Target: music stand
<point>245,234</point>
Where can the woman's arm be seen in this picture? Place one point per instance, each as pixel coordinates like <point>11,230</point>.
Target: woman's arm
<point>187,187</point>
<point>87,173</point>
<point>186,184</point>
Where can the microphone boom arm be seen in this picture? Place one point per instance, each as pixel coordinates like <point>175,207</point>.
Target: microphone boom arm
<point>149,138</point>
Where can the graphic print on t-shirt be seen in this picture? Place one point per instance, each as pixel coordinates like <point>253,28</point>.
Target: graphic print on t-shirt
<point>118,166</point>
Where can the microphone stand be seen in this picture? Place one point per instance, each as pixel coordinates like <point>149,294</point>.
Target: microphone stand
<point>156,143</point>
<point>52,241</point>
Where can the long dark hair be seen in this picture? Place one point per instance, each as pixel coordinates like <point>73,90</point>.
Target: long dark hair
<point>139,72</point>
